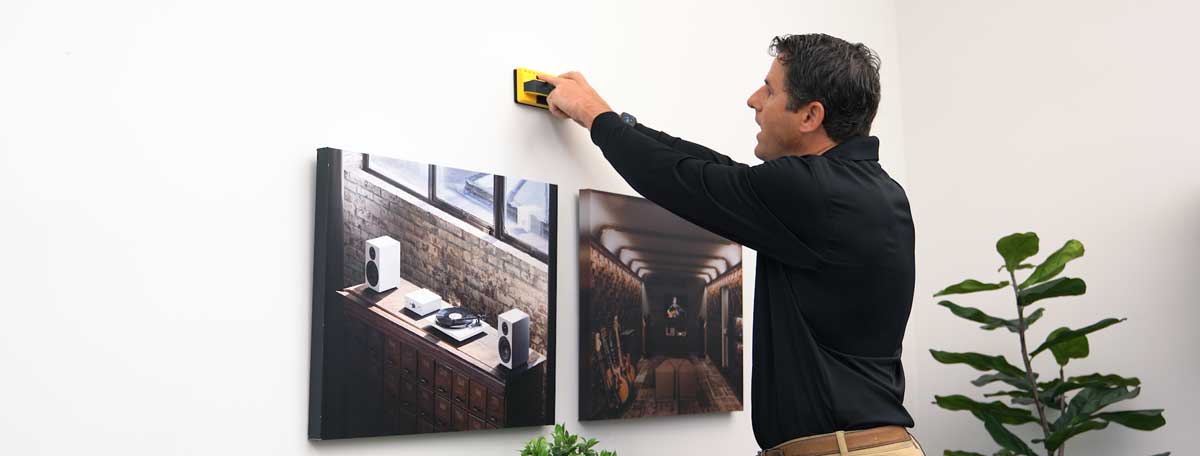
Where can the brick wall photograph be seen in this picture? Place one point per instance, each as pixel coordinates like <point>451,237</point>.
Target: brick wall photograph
<point>463,266</point>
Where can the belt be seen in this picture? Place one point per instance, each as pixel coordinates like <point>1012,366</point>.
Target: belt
<point>826,444</point>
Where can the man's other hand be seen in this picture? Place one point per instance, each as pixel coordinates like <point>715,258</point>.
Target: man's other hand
<point>573,97</point>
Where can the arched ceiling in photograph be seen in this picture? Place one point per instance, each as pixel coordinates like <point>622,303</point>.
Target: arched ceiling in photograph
<point>652,241</point>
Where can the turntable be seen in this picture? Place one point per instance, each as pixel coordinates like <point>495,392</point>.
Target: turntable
<point>458,323</point>
<point>456,318</point>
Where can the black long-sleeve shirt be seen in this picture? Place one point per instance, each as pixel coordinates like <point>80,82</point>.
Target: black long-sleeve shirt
<point>835,271</point>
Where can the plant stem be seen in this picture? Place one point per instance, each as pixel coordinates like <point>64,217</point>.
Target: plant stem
<point>1025,357</point>
<point>1062,407</point>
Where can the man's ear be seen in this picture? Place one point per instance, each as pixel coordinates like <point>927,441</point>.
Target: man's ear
<point>812,115</point>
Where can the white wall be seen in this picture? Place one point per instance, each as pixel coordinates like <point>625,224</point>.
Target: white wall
<point>156,186</point>
<point>1075,120</point>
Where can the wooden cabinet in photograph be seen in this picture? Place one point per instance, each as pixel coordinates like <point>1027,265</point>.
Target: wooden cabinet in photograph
<point>405,377</point>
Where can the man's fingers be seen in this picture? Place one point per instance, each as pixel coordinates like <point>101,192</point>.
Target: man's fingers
<point>575,75</point>
<point>558,113</point>
<point>548,78</point>
<point>554,110</point>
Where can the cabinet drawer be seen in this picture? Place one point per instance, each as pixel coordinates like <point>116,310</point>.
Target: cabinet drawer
<point>392,352</point>
<point>425,401</point>
<point>424,426</point>
<point>478,399</point>
<point>391,378</point>
<point>441,413</point>
<point>476,423</point>
<point>460,418</point>
<point>408,395</point>
<point>390,423</point>
<point>408,422</point>
<point>391,398</point>
<point>495,408</point>
<point>445,376</point>
<point>374,344</point>
<point>461,393</point>
<point>408,360</point>
<point>425,370</point>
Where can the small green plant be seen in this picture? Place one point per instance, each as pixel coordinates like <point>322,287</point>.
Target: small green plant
<point>564,444</point>
<point>1065,406</point>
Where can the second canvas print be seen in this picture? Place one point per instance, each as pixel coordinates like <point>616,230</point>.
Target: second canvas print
<point>660,312</point>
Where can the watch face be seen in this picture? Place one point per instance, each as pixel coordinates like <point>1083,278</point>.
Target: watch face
<point>628,118</point>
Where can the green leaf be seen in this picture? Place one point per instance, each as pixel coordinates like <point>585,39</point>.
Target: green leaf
<point>1015,396</point>
<point>990,322</point>
<point>1029,320</point>
<point>1054,264</point>
<point>1075,348</point>
<point>1011,393</point>
<point>1018,268</point>
<point>1142,420</point>
<point>997,409</point>
<point>970,286</point>
<point>978,361</point>
<point>1070,334</point>
<point>1016,247</point>
<point>1110,380</point>
<point>1018,381</point>
<point>973,314</point>
<point>1050,391</point>
<point>1058,437</point>
<point>1062,286</point>
<point>1090,400</point>
<point>1003,436</point>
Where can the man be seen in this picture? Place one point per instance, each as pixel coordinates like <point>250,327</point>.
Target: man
<point>833,232</point>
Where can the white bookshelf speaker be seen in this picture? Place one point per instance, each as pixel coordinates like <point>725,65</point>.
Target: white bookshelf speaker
<point>513,345</point>
<point>383,263</point>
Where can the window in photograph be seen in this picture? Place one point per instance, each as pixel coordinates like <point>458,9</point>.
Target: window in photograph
<point>527,213</point>
<point>411,175</point>
<point>468,191</point>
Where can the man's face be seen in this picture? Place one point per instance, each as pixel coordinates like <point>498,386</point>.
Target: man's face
<point>779,127</point>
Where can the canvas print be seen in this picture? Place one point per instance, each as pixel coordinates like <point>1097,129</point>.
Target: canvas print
<point>433,298</point>
<point>660,312</point>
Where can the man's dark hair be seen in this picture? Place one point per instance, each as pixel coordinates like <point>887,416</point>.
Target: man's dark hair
<point>843,77</point>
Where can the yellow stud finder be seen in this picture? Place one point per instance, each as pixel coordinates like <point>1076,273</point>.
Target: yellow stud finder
<point>528,90</point>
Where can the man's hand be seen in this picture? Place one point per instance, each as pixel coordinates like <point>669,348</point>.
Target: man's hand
<point>573,97</point>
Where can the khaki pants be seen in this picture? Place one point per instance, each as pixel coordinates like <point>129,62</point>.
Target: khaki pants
<point>908,448</point>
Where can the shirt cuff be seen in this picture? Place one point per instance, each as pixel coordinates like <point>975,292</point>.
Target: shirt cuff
<point>604,126</point>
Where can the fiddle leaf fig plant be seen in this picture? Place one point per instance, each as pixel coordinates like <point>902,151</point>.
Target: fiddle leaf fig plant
<point>1062,407</point>
<point>563,444</point>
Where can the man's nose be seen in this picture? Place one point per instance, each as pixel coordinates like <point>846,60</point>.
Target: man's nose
<point>750,101</point>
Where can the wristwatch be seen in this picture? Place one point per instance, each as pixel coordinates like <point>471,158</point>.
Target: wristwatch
<point>629,119</point>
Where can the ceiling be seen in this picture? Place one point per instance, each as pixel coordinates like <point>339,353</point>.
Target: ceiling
<point>651,240</point>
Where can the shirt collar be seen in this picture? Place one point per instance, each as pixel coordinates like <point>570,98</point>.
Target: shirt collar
<point>856,148</point>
